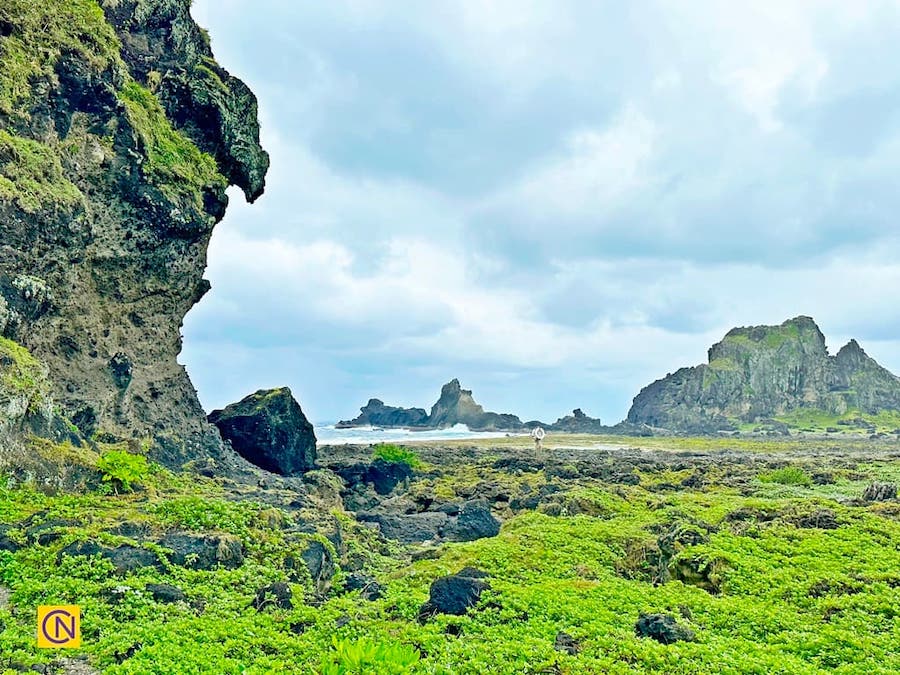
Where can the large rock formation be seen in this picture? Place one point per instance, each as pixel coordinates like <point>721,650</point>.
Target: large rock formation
<point>455,406</point>
<point>763,372</point>
<point>375,413</point>
<point>269,429</point>
<point>119,134</point>
<point>579,423</point>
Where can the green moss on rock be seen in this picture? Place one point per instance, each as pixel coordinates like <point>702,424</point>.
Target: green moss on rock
<point>43,31</point>
<point>31,175</point>
<point>174,163</point>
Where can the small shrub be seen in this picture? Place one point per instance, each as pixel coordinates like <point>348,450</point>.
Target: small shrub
<point>394,453</point>
<point>366,657</point>
<point>789,475</point>
<point>122,469</point>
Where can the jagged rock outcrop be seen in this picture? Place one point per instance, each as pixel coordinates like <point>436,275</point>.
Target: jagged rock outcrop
<point>578,423</point>
<point>119,134</point>
<point>375,413</point>
<point>455,406</point>
<point>268,429</point>
<point>764,372</point>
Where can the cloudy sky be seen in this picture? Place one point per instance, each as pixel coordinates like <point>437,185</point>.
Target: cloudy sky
<point>556,202</point>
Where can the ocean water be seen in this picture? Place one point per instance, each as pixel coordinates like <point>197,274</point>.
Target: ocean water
<point>328,435</point>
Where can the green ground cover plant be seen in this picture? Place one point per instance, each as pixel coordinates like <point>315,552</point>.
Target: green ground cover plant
<point>763,587</point>
<point>390,452</point>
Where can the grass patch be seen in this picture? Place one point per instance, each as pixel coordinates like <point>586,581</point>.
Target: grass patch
<point>789,475</point>
<point>174,162</point>
<point>32,176</point>
<point>396,454</point>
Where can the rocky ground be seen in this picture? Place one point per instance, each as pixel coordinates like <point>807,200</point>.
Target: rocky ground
<point>596,555</point>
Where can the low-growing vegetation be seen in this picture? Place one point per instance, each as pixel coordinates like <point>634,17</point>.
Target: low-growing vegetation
<point>787,576</point>
<point>394,453</point>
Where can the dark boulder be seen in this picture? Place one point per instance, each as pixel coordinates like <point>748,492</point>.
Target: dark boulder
<point>385,476</point>
<point>318,560</point>
<point>269,429</point>
<point>165,593</point>
<point>566,643</point>
<point>880,492</point>
<point>123,558</point>
<point>6,542</point>
<point>368,587</point>
<point>662,628</point>
<point>822,519</point>
<point>412,528</point>
<point>48,531</point>
<point>455,594</point>
<point>277,595</point>
<point>474,521</point>
<point>204,552</point>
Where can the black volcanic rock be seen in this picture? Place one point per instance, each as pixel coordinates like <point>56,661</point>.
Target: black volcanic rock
<point>763,372</point>
<point>455,593</point>
<point>377,414</point>
<point>269,429</point>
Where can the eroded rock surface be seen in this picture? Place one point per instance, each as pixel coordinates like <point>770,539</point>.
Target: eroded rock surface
<point>119,134</point>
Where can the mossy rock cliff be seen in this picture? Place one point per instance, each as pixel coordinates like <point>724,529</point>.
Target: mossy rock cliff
<point>119,134</point>
<point>764,372</point>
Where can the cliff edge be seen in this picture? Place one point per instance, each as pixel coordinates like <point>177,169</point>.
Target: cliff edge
<point>119,134</point>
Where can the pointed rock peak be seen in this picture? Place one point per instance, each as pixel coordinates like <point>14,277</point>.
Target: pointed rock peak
<point>852,346</point>
<point>452,386</point>
<point>852,352</point>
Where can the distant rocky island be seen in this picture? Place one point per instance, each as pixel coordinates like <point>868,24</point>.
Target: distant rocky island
<point>758,378</point>
<point>458,406</point>
<point>768,375</point>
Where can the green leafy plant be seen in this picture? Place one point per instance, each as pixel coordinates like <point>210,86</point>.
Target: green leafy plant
<point>122,469</point>
<point>366,657</point>
<point>396,454</point>
<point>789,475</point>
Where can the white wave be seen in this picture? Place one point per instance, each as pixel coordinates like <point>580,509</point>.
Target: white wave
<point>328,435</point>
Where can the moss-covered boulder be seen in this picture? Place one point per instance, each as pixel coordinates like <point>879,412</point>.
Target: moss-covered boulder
<point>269,429</point>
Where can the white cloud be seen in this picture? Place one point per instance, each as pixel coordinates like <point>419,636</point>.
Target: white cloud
<point>600,167</point>
<point>639,177</point>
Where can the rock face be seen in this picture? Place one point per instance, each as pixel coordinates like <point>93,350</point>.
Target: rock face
<point>375,413</point>
<point>119,134</point>
<point>762,372</point>
<point>269,429</point>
